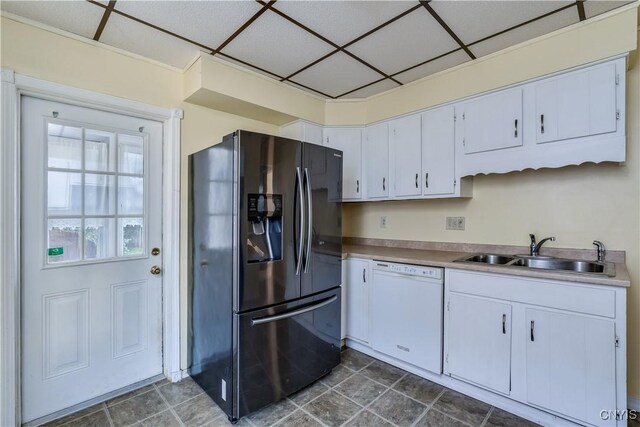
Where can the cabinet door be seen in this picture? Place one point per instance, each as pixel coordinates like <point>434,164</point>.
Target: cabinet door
<point>358,279</point>
<point>376,161</point>
<point>438,161</point>
<point>406,319</point>
<point>492,122</point>
<point>349,141</point>
<point>570,363</point>
<point>478,338</point>
<point>579,104</point>
<point>405,150</point>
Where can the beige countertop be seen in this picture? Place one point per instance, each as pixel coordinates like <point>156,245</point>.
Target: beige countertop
<point>445,258</point>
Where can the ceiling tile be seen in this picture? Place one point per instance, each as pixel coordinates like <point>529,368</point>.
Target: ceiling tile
<point>596,7</point>
<point>406,42</point>
<point>375,88</point>
<point>449,61</point>
<point>132,36</point>
<point>343,21</point>
<point>78,17</point>
<point>337,74</point>
<point>207,22</point>
<point>526,32</point>
<point>275,44</point>
<point>475,20</point>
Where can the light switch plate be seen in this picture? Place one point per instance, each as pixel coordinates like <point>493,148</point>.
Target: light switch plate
<point>455,223</point>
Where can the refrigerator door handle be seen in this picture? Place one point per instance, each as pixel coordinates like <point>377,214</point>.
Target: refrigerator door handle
<point>309,219</point>
<point>267,319</point>
<point>301,229</point>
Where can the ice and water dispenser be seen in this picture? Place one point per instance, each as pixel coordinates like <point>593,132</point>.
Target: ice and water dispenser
<point>264,227</point>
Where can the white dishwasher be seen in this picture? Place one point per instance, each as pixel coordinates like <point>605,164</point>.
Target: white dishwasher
<point>406,313</point>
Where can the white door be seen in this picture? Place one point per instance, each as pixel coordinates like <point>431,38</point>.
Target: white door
<point>492,122</point>
<point>349,141</point>
<point>358,299</point>
<point>578,104</point>
<point>438,159</point>
<point>479,341</point>
<point>376,161</point>
<point>406,155</point>
<point>91,204</point>
<point>571,364</point>
<point>406,319</point>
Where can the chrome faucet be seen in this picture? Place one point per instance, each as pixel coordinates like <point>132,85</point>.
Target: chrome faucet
<point>601,250</point>
<point>534,248</point>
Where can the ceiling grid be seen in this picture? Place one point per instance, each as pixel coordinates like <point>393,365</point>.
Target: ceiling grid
<point>334,49</point>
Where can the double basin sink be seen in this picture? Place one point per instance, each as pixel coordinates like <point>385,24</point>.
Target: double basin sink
<point>543,263</point>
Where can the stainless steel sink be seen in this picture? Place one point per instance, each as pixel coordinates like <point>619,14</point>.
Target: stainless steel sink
<point>544,263</point>
<point>576,266</point>
<point>488,259</point>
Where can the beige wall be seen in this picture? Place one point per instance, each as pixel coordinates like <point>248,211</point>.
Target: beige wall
<point>576,204</point>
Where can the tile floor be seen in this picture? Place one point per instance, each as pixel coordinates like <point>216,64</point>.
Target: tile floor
<point>361,391</point>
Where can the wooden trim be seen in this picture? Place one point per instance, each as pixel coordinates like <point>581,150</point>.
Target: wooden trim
<point>13,87</point>
<point>444,25</point>
<point>427,61</point>
<point>384,24</point>
<point>580,6</point>
<point>361,87</point>
<point>265,7</point>
<point>105,18</point>
<point>310,65</point>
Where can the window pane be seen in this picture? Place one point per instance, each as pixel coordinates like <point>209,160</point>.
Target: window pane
<point>99,151</point>
<point>131,236</point>
<point>130,195</point>
<point>65,146</point>
<point>64,193</point>
<point>131,154</point>
<point>63,240</point>
<point>99,194</point>
<point>99,238</point>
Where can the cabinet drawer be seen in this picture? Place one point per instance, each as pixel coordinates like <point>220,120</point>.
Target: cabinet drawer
<point>561,295</point>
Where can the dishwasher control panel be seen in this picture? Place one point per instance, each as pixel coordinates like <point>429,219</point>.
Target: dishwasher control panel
<point>407,269</point>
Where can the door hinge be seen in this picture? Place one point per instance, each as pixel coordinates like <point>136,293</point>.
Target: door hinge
<point>455,182</point>
<point>446,358</point>
<point>455,117</point>
<point>617,114</point>
<point>617,341</point>
<point>448,302</point>
<point>617,79</point>
<point>463,116</point>
<point>327,140</point>
<point>464,143</point>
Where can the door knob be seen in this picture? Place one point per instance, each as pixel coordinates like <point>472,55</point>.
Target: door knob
<point>155,270</point>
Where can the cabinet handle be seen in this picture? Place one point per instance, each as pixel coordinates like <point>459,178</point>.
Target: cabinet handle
<point>532,337</point>
<point>416,180</point>
<point>357,185</point>
<point>515,132</point>
<point>426,180</point>
<point>384,181</point>
<point>364,276</point>
<point>541,123</point>
<point>504,323</point>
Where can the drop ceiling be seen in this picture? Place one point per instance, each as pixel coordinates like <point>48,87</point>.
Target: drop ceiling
<point>333,49</point>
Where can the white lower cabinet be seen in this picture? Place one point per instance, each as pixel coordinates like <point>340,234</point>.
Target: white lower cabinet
<point>479,341</point>
<point>571,363</point>
<point>557,346</point>
<point>358,277</point>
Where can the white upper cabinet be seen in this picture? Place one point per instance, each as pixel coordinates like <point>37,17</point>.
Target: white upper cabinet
<point>376,161</point>
<point>438,153</point>
<point>349,141</point>
<point>491,122</point>
<point>577,104</point>
<point>303,131</point>
<point>405,155</point>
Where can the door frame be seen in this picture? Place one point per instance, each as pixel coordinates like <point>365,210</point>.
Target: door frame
<point>14,86</point>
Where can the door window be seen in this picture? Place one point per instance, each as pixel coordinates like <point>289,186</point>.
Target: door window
<point>96,196</point>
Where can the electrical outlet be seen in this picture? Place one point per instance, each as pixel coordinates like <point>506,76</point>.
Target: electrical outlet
<point>383,221</point>
<point>455,223</point>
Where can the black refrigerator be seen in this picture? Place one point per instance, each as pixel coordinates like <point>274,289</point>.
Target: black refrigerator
<point>265,268</point>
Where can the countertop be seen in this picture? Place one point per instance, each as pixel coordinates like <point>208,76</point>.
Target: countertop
<point>445,258</point>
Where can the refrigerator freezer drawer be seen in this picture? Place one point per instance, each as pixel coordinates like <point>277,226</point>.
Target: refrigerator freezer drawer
<point>284,348</point>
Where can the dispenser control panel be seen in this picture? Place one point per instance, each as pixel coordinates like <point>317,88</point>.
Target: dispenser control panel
<point>261,206</point>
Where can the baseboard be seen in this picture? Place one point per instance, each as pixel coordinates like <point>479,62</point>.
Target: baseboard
<point>633,403</point>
